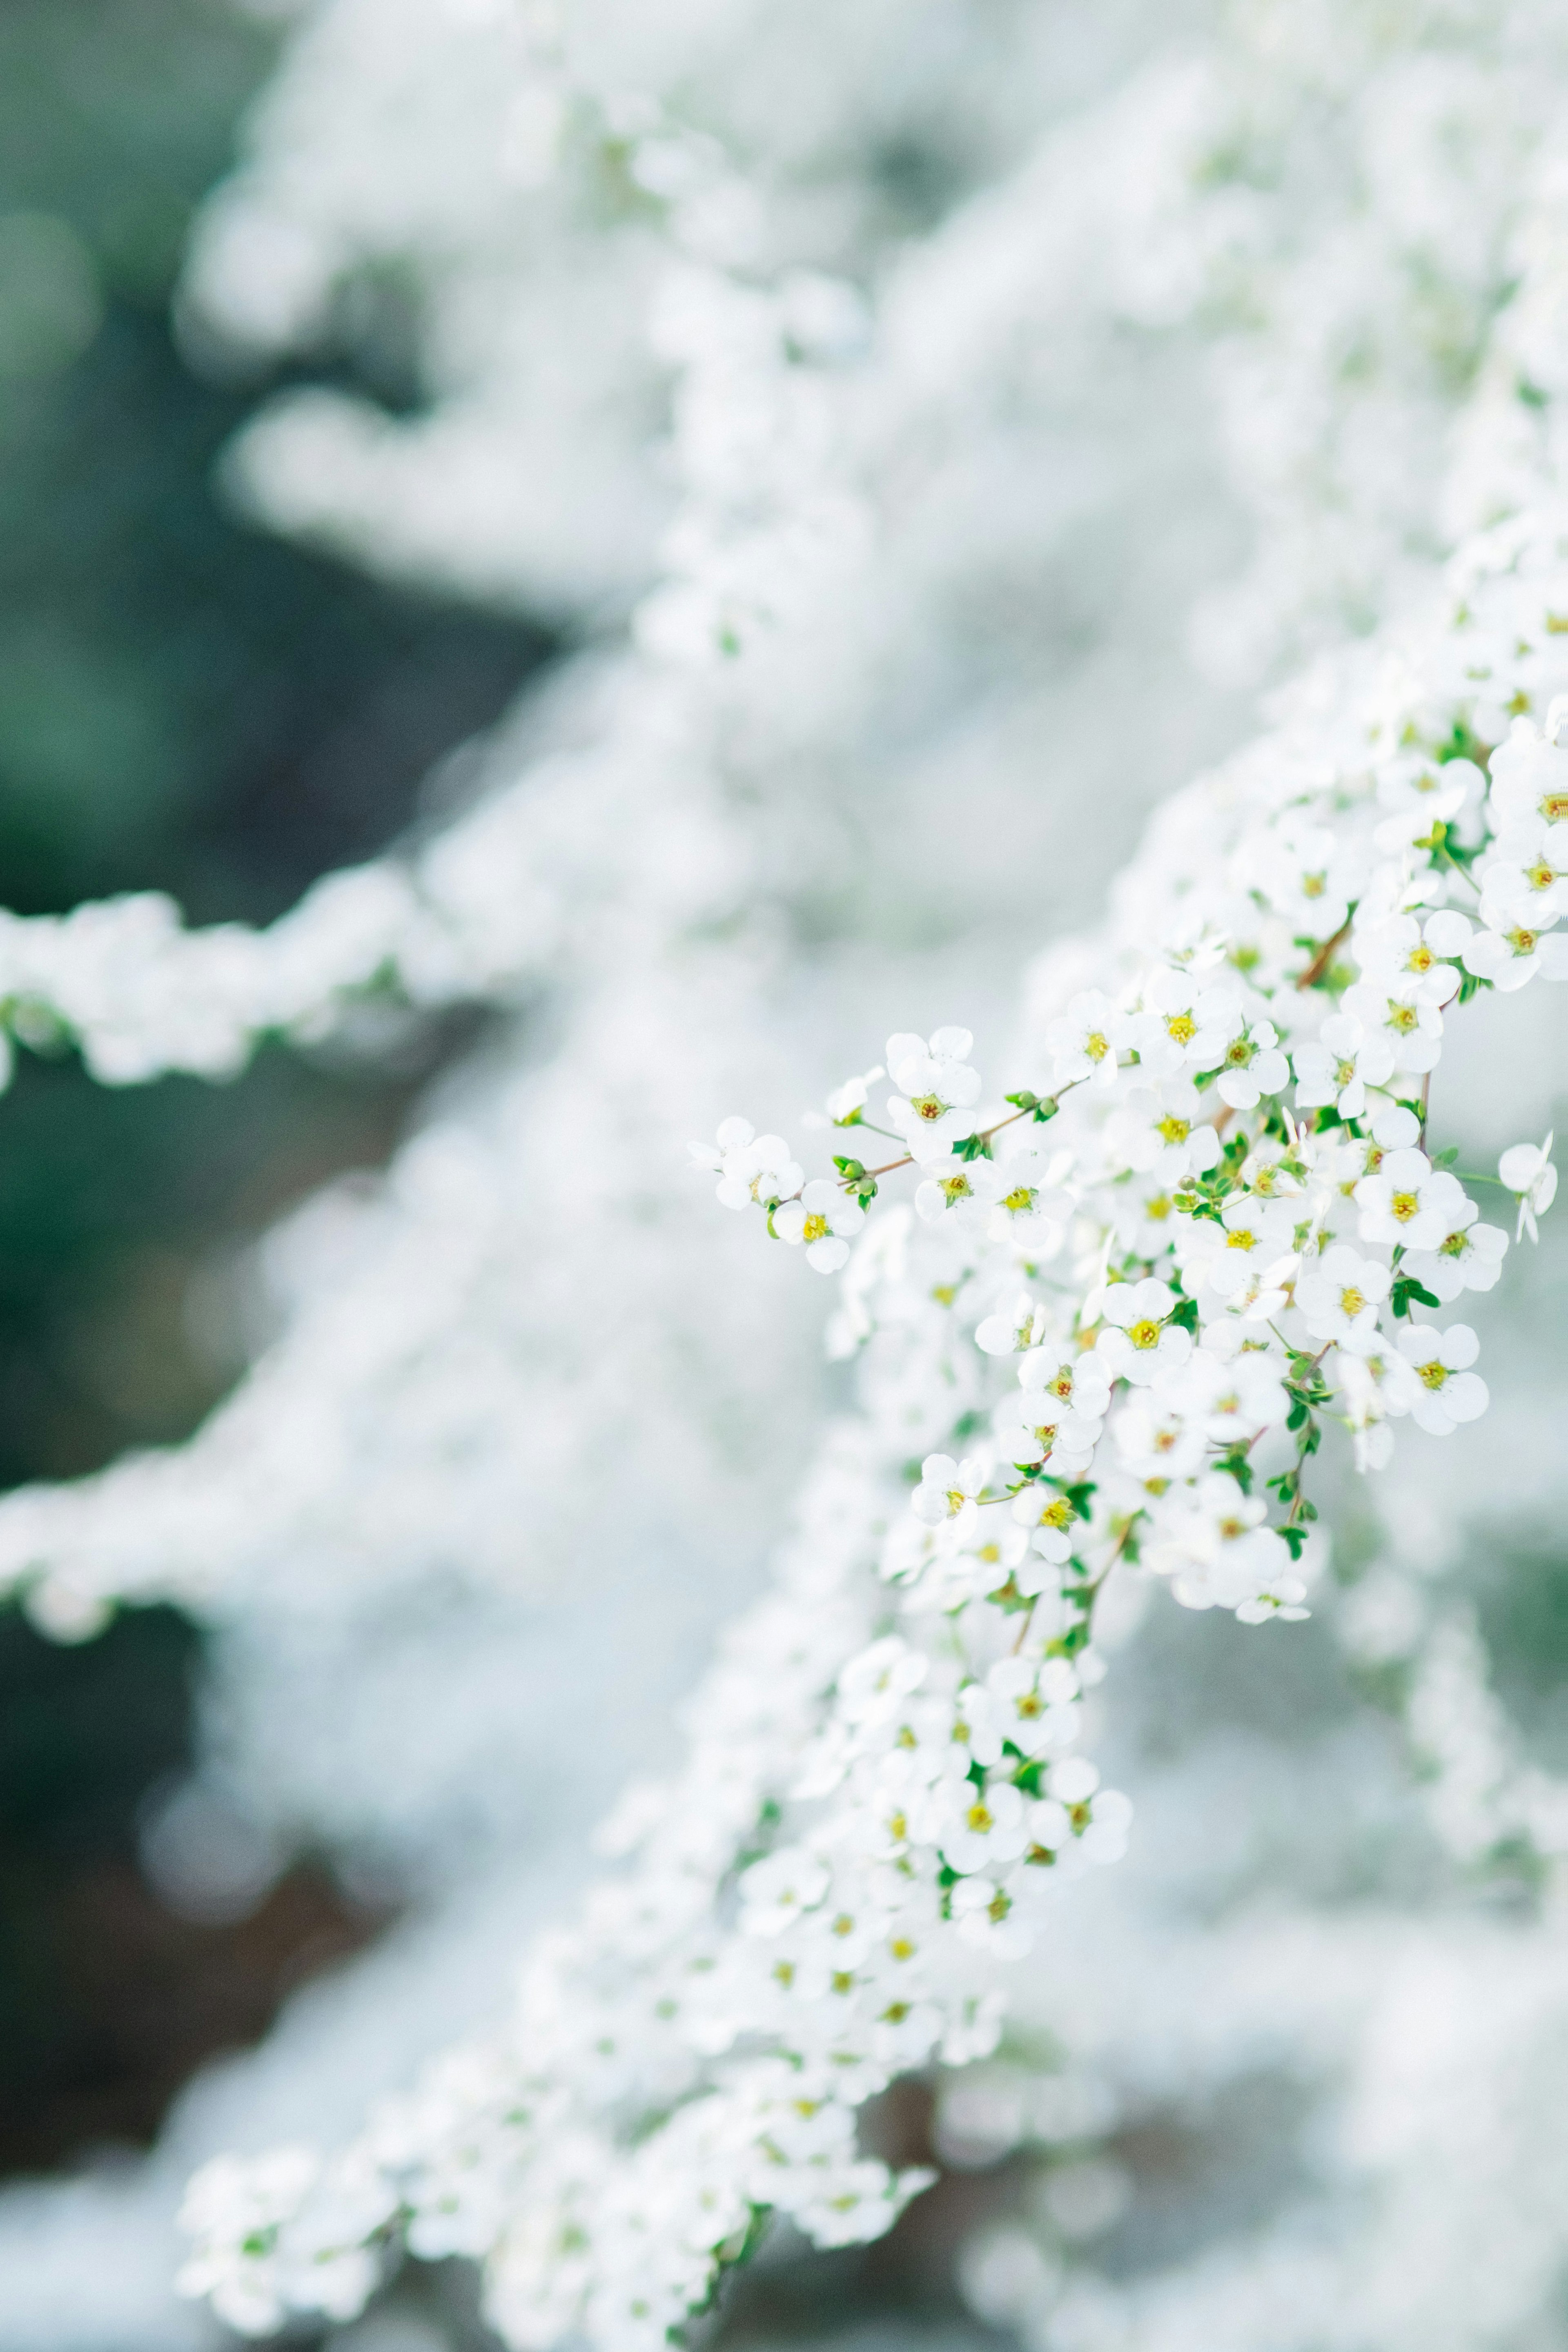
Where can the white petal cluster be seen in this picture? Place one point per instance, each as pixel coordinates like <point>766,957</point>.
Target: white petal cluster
<point>1102,1338</point>
<point>869,1830</point>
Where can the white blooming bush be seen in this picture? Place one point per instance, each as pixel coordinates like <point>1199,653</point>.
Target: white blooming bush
<point>1109,1317</point>
<point>1129,1301</point>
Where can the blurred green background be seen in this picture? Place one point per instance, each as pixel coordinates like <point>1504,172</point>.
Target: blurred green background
<point>185,705</point>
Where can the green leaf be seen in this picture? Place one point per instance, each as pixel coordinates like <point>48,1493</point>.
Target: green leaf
<point>1237,1464</point>
<point>1405,1289</point>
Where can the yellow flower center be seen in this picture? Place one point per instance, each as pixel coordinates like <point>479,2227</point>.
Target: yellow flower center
<point>1406,1205</point>
<point>1454,1247</point>
<point>927,1107</point>
<point>1181,1027</point>
<point>1097,1046</point>
<point>1351,1301</point>
<point>814,1229</point>
<point>1553,807</point>
<point>1522,942</point>
<point>1313,884</point>
<point>1238,1053</point>
<point>902,1949</point>
<point>1019,1198</point>
<point>1159,1208</point>
<point>1403,1017</point>
<point>1420,958</point>
<point>1174,1130</point>
<point>1144,1334</point>
<point>1242,1238</point>
<point>1433,1374</point>
<point>980,1817</point>
<point>1343,1073</point>
<point>1540,876</point>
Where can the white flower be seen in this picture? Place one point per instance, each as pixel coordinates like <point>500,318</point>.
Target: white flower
<point>1341,1067</point>
<point>945,1497</point>
<point>1444,1392</point>
<point>825,1218</point>
<point>1034,1427</point>
<point>1183,1026</point>
<point>777,1890</point>
<point>1138,1339</point>
<point>937,1090</point>
<point>1508,951</point>
<point>1079,1378</point>
<point>1529,778</point>
<point>1408,956</point>
<point>1038,1704</point>
<point>1401,1017</point>
<point>753,1169</point>
<point>1083,1044</point>
<point>1339,1294</point>
<point>1527,1171</point>
<point>1419,793</point>
<point>1469,1257</point>
<point>1047,1516</point>
<point>1012,1328</point>
<point>1157,1438</point>
<point>1164,1134</point>
<point>1252,1066</point>
<point>1526,872</point>
<point>1026,1212</point>
<point>1233,1399</point>
<point>1210,1539</point>
<point>978,1828</point>
<point>962,1187</point>
<point>846,1102</point>
<point>985,1915</point>
<point>1252,1235</point>
<point>1409,1202</point>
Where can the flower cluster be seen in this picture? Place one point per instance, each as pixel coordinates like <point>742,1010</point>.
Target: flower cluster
<point>1130,1296</point>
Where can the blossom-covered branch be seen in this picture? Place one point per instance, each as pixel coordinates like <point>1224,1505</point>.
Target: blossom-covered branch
<point>1123,1309</point>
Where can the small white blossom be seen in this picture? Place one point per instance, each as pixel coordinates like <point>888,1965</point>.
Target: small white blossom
<point>937,1090</point>
<point>1444,1392</point>
<point>1138,1340</point>
<point>1409,1202</point>
<point>1084,1043</point>
<point>1527,1171</point>
<point>825,1218</point>
<point>1339,1294</point>
<point>945,1497</point>
<point>1341,1066</point>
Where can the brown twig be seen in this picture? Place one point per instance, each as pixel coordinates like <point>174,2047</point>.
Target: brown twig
<point>1321,960</point>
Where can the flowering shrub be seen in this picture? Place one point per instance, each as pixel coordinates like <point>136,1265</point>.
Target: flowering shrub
<point>1136,1292</point>
<point>1109,1316</point>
